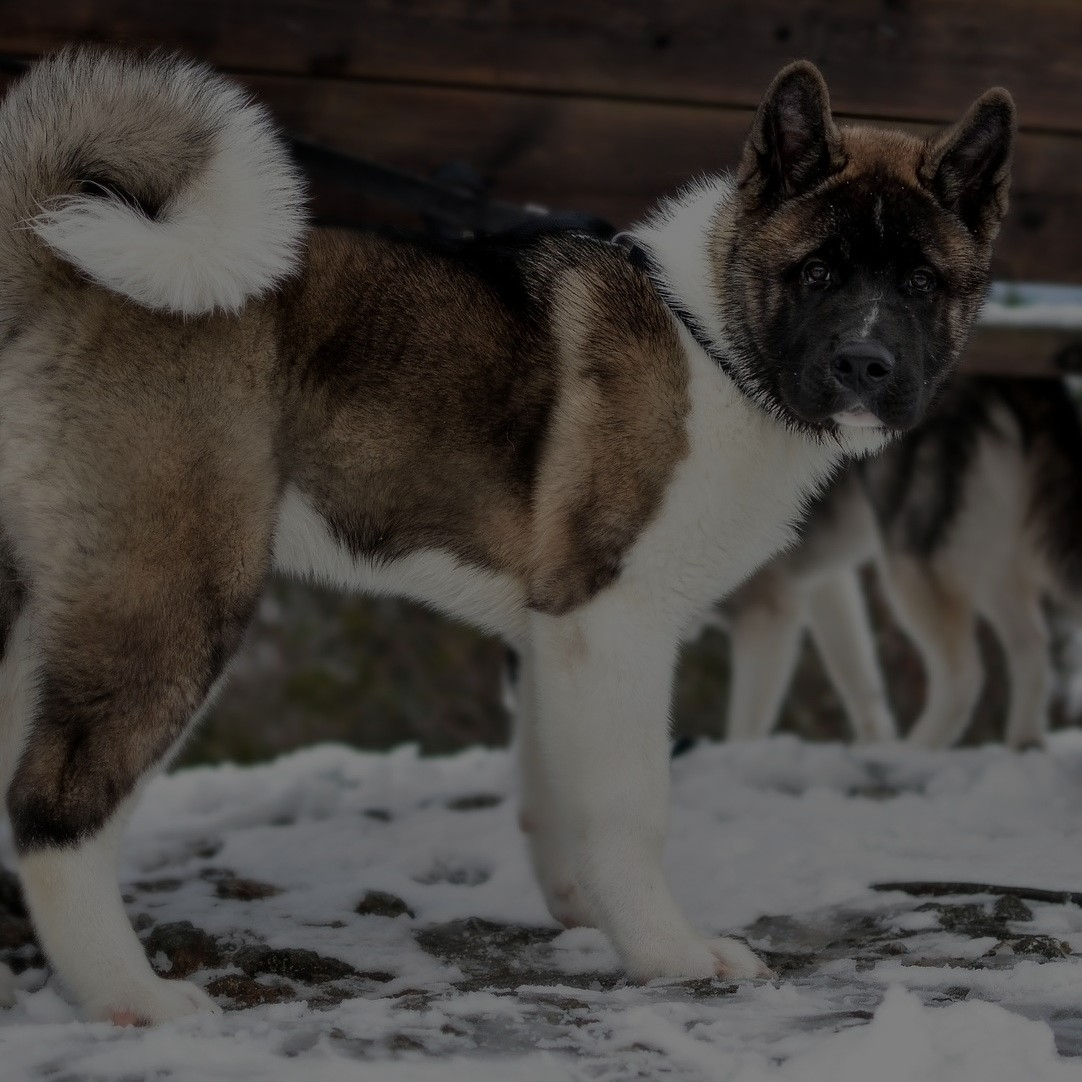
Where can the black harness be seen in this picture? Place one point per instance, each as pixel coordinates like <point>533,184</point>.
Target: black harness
<point>537,222</point>
<point>640,258</point>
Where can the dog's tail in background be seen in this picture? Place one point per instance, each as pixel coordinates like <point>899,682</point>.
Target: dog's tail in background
<point>150,176</point>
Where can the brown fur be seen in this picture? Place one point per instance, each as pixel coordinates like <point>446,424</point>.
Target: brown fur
<point>534,449</point>
<point>623,389</point>
<point>399,392</point>
<point>139,499</point>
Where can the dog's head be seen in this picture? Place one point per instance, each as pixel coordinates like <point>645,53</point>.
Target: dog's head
<point>856,259</point>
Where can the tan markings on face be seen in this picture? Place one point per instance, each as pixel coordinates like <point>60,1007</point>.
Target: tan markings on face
<point>617,433</point>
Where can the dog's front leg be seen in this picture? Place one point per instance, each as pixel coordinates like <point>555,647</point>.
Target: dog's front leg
<point>604,675</point>
<point>539,817</point>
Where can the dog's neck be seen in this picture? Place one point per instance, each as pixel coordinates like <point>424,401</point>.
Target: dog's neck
<point>672,247</point>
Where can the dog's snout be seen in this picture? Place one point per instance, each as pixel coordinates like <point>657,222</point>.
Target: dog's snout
<point>859,366</point>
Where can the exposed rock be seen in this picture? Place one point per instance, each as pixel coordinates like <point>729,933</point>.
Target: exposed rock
<point>379,903</point>
<point>157,886</point>
<point>188,948</point>
<point>1040,946</point>
<point>476,802</point>
<point>229,886</point>
<point>246,992</point>
<point>1008,907</point>
<point>294,963</point>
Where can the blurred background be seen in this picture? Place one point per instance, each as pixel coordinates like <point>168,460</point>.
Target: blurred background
<point>597,106</point>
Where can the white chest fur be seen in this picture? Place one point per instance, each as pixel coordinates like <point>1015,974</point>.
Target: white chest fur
<point>733,501</point>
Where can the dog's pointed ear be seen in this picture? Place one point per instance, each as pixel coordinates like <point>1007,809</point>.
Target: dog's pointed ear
<point>793,144</point>
<point>968,166</point>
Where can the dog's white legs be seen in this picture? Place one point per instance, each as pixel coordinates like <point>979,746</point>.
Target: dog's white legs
<point>539,815</point>
<point>942,625</point>
<point>764,640</point>
<point>603,683</point>
<point>842,633</point>
<point>1015,613</point>
<point>79,917</point>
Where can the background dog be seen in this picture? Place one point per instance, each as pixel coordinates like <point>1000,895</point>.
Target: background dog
<point>975,514</point>
<point>576,444</point>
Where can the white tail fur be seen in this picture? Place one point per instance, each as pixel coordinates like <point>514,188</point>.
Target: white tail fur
<point>155,177</point>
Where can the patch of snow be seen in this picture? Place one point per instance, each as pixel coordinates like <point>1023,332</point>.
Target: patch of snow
<point>781,840</point>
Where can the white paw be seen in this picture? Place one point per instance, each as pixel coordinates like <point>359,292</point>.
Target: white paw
<point>736,961</point>
<point>149,1004</point>
<point>7,987</point>
<point>1026,741</point>
<point>699,958</point>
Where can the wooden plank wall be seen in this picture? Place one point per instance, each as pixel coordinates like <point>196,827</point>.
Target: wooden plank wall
<point>602,105</point>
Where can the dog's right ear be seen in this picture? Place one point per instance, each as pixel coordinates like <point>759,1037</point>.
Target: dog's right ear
<point>968,167</point>
<point>793,144</point>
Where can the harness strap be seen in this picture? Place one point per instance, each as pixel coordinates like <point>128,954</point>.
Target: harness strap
<point>644,261</point>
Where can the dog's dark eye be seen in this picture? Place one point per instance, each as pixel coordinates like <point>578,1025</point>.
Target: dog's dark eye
<point>816,273</point>
<point>921,280</point>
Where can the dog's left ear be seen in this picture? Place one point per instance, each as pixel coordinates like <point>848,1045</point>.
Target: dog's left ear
<point>968,166</point>
<point>793,144</point>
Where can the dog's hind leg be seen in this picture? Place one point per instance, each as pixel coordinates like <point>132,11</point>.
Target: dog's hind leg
<point>116,690</point>
<point>764,636</point>
<point>127,642</point>
<point>842,632</point>
<point>939,618</point>
<point>1014,611</point>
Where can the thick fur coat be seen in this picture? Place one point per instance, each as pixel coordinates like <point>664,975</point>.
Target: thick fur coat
<point>537,433</point>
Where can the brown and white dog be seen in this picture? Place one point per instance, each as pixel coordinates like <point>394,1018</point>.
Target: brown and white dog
<point>578,445</point>
<point>975,514</point>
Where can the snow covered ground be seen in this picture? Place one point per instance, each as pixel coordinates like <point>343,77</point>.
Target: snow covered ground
<point>451,969</point>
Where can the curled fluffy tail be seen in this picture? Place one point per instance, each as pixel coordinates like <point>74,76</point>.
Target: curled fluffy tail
<point>152,176</point>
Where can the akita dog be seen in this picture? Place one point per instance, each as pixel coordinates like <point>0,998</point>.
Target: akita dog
<point>976,513</point>
<point>576,444</point>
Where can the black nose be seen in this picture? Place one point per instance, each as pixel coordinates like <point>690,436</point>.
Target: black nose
<point>861,365</point>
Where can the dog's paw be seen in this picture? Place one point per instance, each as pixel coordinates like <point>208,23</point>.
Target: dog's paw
<point>150,1004</point>
<point>1029,739</point>
<point>699,958</point>
<point>737,961</point>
